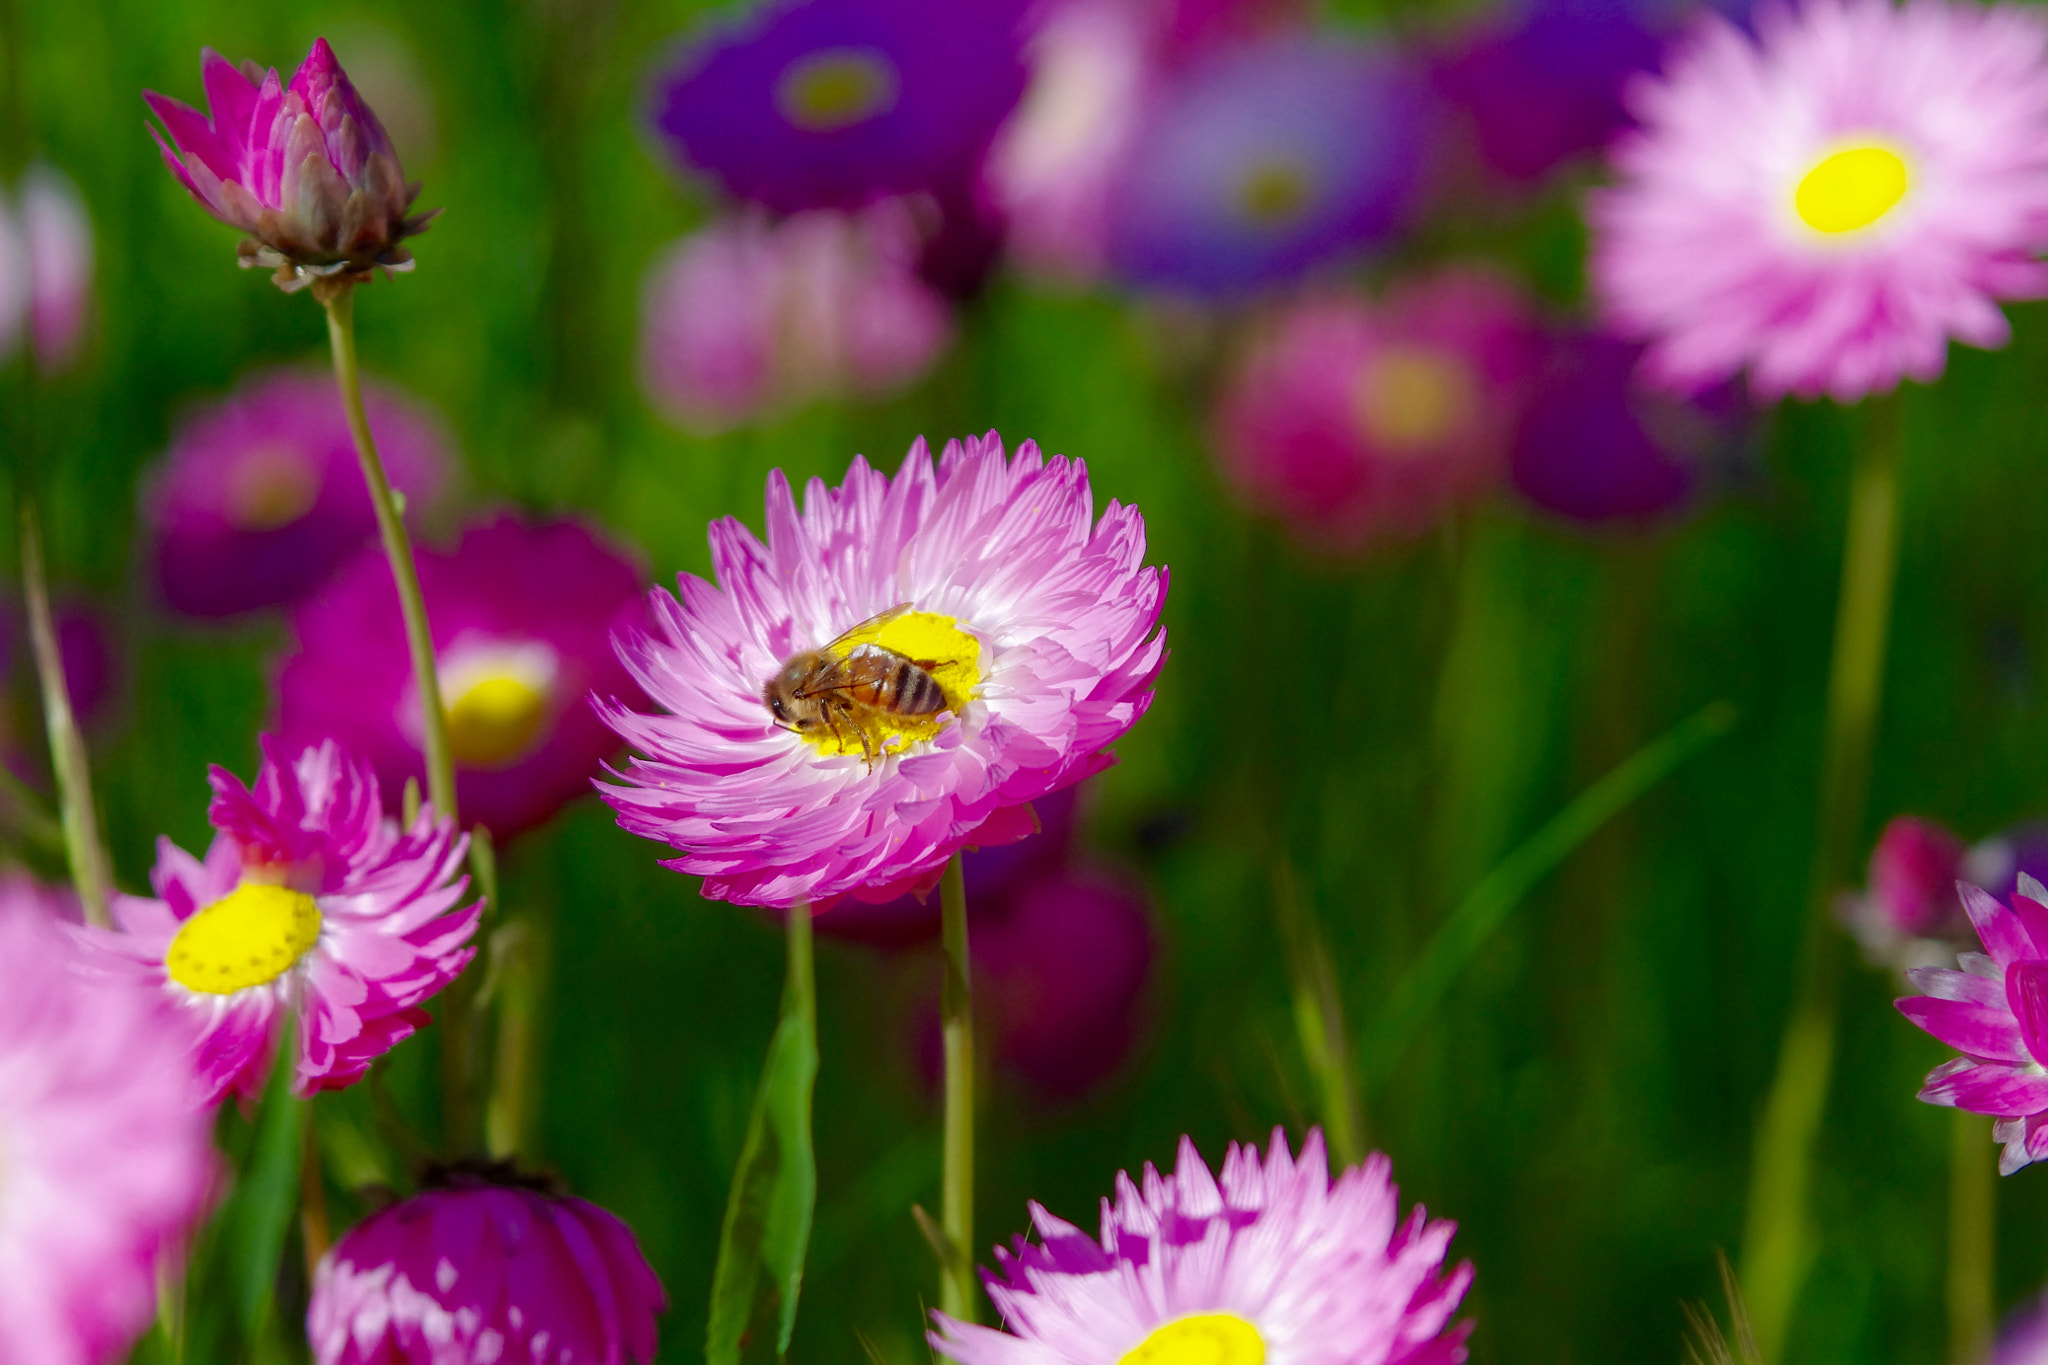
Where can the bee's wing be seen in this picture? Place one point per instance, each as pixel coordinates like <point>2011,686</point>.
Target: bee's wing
<point>881,618</point>
<point>867,666</point>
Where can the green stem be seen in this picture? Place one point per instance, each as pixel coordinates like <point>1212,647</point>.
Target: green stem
<point>82,846</point>
<point>313,1225</point>
<point>956,1011</point>
<point>520,948</point>
<point>1319,1016</point>
<point>341,332</point>
<point>1972,1236</point>
<point>1777,1241</point>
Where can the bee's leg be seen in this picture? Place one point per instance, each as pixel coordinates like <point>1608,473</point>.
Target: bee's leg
<point>832,724</point>
<point>867,745</point>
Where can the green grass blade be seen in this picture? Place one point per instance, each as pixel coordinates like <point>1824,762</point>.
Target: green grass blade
<point>1489,903</point>
<point>775,1189</point>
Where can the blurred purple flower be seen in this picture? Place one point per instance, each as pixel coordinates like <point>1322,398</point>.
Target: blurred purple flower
<point>1995,1012</point>
<point>259,498</point>
<point>310,901</point>
<point>2023,1339</point>
<point>1597,445</point>
<point>1908,914</point>
<point>1274,1260</point>
<point>45,902</point>
<point>15,286</point>
<point>1259,162</point>
<point>834,103</point>
<point>480,1266</point>
<point>744,316</point>
<point>109,1163</point>
<point>56,235</point>
<point>306,170</point>
<point>522,614</point>
<point>1352,420</point>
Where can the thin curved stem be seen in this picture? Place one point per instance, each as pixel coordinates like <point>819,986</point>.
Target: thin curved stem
<point>957,1295</point>
<point>341,332</point>
<point>83,848</point>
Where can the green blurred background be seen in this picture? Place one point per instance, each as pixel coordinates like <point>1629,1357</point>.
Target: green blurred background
<point>1581,1102</point>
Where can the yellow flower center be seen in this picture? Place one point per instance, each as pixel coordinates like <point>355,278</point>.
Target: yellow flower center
<point>251,936</point>
<point>272,487</point>
<point>1204,1339</point>
<point>499,698</point>
<point>1274,192</point>
<point>948,653</point>
<point>836,88</point>
<point>1851,189</point>
<point>1410,399</point>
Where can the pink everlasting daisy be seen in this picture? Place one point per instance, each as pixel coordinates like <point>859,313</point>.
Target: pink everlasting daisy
<point>1995,1012</point>
<point>311,901</point>
<point>107,1160</point>
<point>1031,623</point>
<point>1828,203</point>
<point>1272,1262</point>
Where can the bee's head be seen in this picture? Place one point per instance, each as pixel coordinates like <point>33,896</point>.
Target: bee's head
<point>776,704</point>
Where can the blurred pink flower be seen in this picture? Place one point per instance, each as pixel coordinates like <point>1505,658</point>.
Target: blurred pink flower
<point>305,169</point>
<point>1828,203</point>
<point>108,1161</point>
<point>746,316</point>
<point>1352,420</point>
<point>310,902</point>
<point>57,235</point>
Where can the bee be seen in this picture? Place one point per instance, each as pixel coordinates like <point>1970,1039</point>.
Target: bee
<point>819,690</point>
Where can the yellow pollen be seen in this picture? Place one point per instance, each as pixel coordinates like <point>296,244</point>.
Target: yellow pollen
<point>1410,399</point>
<point>836,88</point>
<point>1851,189</point>
<point>1274,192</point>
<point>495,721</point>
<point>271,488</point>
<point>1204,1339</point>
<point>923,637</point>
<point>251,936</point>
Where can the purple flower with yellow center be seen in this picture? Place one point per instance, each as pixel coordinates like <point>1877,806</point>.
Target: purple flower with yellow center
<point>522,616</point>
<point>485,1265</point>
<point>305,169</point>
<point>833,103</point>
<point>106,1166</point>
<point>311,902</point>
<point>1995,1012</point>
<point>1826,205</point>
<point>260,498</point>
<point>799,762</point>
<point>1352,420</point>
<point>1259,162</point>
<point>1274,1261</point>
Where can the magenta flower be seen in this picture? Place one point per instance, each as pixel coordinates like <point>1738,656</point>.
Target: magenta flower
<point>305,169</point>
<point>56,237</point>
<point>523,614</point>
<point>1272,1262</point>
<point>1353,421</point>
<point>109,1163</point>
<point>1036,624</point>
<point>310,901</point>
<point>1995,1012</point>
<point>746,316</point>
<point>480,1266</point>
<point>260,498</point>
<point>2023,1339</point>
<point>1827,204</point>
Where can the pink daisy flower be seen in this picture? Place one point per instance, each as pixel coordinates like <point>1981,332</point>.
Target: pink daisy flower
<point>108,1159</point>
<point>1032,623</point>
<point>1828,203</point>
<point>310,901</point>
<point>1272,1262</point>
<point>1995,1012</point>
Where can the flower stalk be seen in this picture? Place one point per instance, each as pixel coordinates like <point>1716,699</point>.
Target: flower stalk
<point>1972,1237</point>
<point>90,871</point>
<point>1778,1241</point>
<point>341,333</point>
<point>957,1298</point>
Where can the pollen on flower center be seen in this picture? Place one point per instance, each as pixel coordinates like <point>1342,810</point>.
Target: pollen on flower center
<point>1412,398</point>
<point>251,936</point>
<point>1851,189</point>
<point>937,643</point>
<point>823,92</point>
<point>1274,192</point>
<point>272,488</point>
<point>1204,1339</point>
